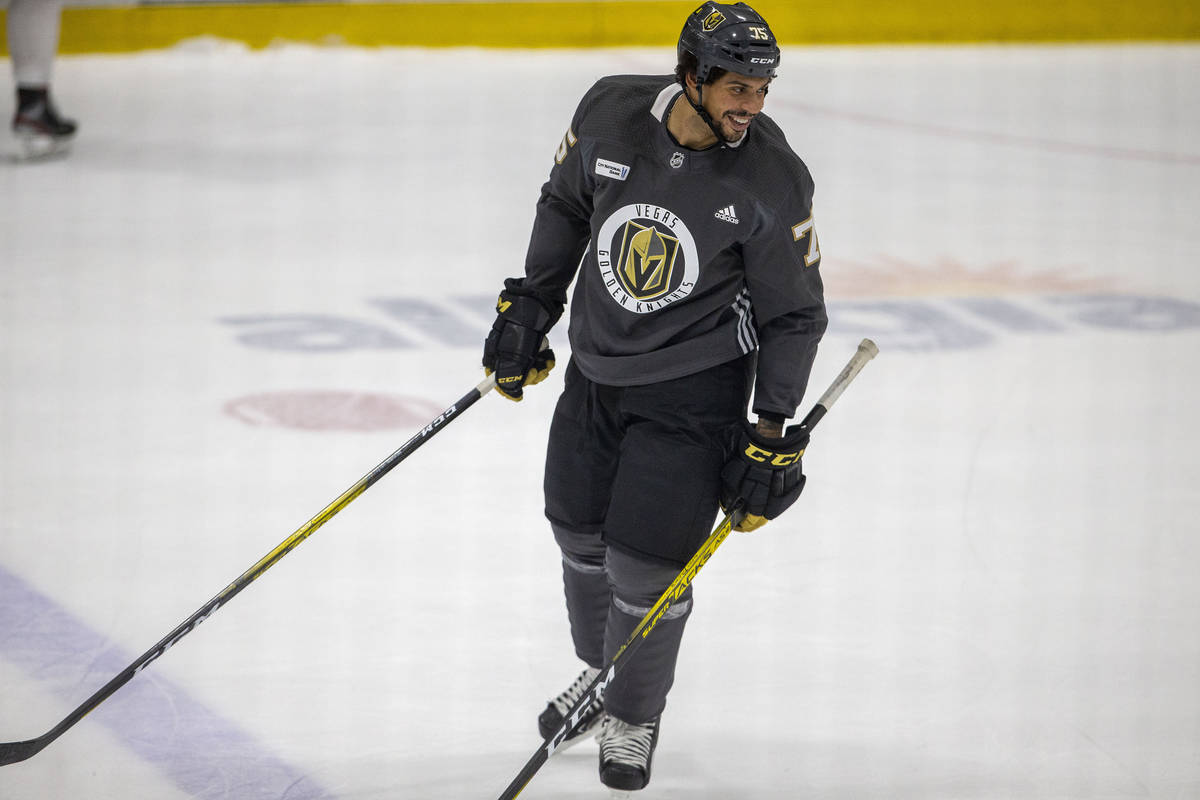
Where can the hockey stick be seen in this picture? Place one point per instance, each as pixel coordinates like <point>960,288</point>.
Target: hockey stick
<point>595,690</point>
<point>12,752</point>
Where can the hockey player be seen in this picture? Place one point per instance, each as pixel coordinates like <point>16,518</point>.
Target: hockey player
<point>699,282</point>
<point>32,29</point>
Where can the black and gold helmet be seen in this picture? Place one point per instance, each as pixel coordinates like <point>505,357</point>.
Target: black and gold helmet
<point>731,36</point>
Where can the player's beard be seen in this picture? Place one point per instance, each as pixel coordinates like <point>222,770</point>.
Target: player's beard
<point>730,132</point>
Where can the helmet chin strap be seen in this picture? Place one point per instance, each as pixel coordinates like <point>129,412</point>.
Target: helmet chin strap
<point>702,111</point>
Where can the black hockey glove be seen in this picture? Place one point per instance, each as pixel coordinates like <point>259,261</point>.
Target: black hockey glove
<point>513,349</point>
<point>765,473</point>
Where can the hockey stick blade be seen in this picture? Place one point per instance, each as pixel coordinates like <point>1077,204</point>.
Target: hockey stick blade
<point>12,752</point>
<point>595,690</point>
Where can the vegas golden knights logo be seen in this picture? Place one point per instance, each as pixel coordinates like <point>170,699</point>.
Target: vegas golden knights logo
<point>647,259</point>
<point>712,21</point>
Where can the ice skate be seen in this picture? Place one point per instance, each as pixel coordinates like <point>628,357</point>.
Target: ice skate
<point>38,127</point>
<point>556,711</point>
<point>625,754</point>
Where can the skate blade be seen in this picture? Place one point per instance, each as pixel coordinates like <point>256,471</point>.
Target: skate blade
<point>40,147</point>
<point>620,794</point>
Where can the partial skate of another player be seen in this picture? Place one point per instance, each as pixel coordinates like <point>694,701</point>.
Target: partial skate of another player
<point>39,129</point>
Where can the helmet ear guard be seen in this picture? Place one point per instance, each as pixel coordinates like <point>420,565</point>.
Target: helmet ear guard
<point>731,36</point>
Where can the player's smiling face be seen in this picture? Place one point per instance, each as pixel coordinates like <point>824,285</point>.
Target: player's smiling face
<point>734,101</point>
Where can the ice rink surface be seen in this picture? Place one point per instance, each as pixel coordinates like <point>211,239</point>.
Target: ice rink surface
<point>259,273</point>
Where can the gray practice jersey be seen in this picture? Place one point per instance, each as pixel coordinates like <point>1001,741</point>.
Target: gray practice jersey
<point>689,258</point>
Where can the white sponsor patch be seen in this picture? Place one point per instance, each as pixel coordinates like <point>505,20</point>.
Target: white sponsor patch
<point>611,169</point>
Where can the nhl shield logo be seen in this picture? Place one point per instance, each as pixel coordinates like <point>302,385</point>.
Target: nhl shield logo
<point>647,258</point>
<point>676,160</point>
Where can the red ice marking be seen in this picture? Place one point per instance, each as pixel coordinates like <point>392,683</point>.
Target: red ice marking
<point>331,411</point>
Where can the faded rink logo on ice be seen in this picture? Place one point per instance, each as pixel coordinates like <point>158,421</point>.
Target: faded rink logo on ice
<point>647,257</point>
<point>949,305</point>
<point>937,306</point>
<point>942,306</point>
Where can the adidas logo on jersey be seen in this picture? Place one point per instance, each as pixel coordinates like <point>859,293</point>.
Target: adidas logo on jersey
<point>727,214</point>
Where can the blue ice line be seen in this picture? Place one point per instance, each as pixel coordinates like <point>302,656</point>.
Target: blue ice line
<point>207,757</point>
